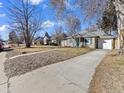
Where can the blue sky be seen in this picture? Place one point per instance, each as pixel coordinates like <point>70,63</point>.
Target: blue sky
<point>48,15</point>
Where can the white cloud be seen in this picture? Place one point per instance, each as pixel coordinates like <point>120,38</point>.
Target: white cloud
<point>4,28</point>
<point>4,31</point>
<point>2,15</point>
<point>36,2</point>
<point>48,24</point>
<point>1,4</point>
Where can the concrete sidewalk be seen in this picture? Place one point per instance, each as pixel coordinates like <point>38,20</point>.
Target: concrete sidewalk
<point>3,78</point>
<point>71,76</point>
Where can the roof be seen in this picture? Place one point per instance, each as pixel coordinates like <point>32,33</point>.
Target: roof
<point>62,34</point>
<point>38,39</point>
<point>47,35</point>
<point>76,35</point>
<point>93,34</point>
<point>80,34</point>
<point>108,37</point>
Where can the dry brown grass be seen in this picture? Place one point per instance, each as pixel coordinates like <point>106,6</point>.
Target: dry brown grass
<point>22,50</point>
<point>33,49</point>
<point>24,64</point>
<point>109,76</point>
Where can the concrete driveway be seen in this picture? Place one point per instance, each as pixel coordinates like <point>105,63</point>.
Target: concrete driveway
<point>70,76</point>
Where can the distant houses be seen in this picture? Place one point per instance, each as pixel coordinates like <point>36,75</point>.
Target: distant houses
<point>38,41</point>
<point>45,40</point>
<point>49,40</point>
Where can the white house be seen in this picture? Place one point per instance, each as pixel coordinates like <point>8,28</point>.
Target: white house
<point>46,39</point>
<point>95,39</point>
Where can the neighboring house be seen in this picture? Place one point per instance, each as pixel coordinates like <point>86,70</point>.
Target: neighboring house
<point>72,41</point>
<point>53,40</point>
<point>38,41</point>
<point>119,4</point>
<point>46,39</point>
<point>57,38</point>
<point>95,39</point>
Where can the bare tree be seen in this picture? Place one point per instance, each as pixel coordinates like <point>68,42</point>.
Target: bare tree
<point>73,24</point>
<point>92,8</point>
<point>60,7</point>
<point>59,35</point>
<point>13,38</point>
<point>25,18</point>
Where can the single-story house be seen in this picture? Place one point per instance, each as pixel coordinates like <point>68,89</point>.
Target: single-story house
<point>73,41</point>
<point>57,37</point>
<point>95,39</point>
<point>42,40</point>
<point>38,41</point>
<point>53,40</point>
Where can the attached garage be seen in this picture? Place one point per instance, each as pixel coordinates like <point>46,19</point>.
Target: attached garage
<point>106,42</point>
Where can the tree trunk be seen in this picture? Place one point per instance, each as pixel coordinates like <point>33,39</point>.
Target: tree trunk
<point>18,44</point>
<point>28,45</point>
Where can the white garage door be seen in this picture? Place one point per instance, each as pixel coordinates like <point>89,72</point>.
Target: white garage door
<point>105,43</point>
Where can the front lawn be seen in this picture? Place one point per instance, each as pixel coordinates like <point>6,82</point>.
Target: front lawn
<point>23,64</point>
<point>119,61</point>
<point>23,50</point>
<point>32,49</point>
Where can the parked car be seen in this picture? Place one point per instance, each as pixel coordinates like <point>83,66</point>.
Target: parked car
<point>6,45</point>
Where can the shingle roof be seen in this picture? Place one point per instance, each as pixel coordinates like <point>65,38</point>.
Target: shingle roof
<point>108,37</point>
<point>92,34</point>
<point>38,39</point>
<point>95,34</point>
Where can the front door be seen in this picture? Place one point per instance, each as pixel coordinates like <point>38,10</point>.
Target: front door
<point>77,42</point>
<point>96,43</point>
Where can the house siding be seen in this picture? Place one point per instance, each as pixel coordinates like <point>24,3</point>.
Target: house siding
<point>90,43</point>
<point>81,43</point>
<point>69,43</point>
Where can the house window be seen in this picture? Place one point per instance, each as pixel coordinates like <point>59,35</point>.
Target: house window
<point>88,40</point>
